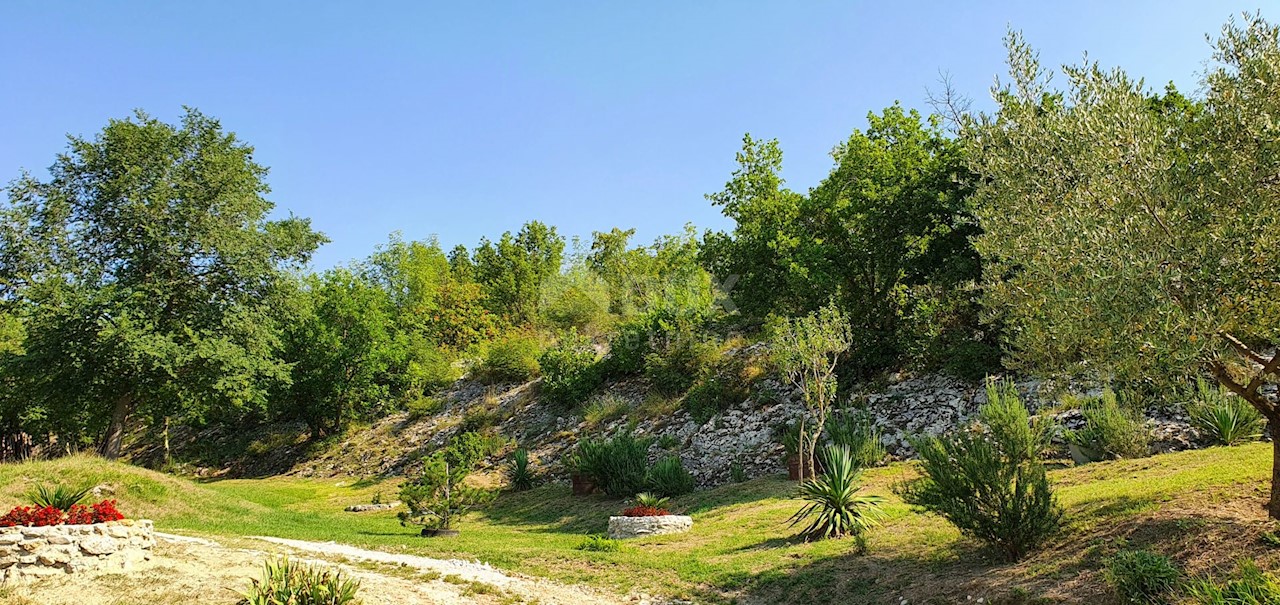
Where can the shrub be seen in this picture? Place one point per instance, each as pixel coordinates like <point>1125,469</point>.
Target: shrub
<point>989,482</point>
<point>60,496</point>
<point>737,474</point>
<point>1142,577</point>
<point>286,582</point>
<point>854,430</point>
<point>668,477</point>
<point>1110,429</point>
<point>684,357</point>
<point>708,398</point>
<point>577,299</point>
<point>1010,423</point>
<point>603,409</point>
<point>518,472</point>
<point>438,496</point>
<point>617,465</point>
<point>512,358</point>
<point>569,372</point>
<point>1251,586</point>
<point>1223,417</point>
<point>78,514</point>
<point>598,543</point>
<point>833,504</point>
<point>423,407</point>
<point>627,351</point>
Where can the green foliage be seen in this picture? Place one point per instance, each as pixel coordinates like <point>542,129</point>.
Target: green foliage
<point>147,275</point>
<point>668,477</point>
<point>512,271</point>
<point>569,371</point>
<point>834,509</point>
<point>1011,424</point>
<point>737,474</point>
<point>627,350</point>
<point>617,465</point>
<point>807,350</point>
<point>576,300</point>
<point>518,472</point>
<point>286,582</point>
<point>605,409</point>
<point>855,431</point>
<point>59,496</point>
<point>680,356</point>
<point>1251,586</point>
<point>1111,429</point>
<point>424,407</point>
<point>988,482</point>
<point>652,500</point>
<point>438,496</point>
<point>1223,417</point>
<point>1142,577</point>
<point>511,358</point>
<point>599,543</point>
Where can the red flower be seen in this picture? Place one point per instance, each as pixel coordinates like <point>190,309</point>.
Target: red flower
<point>645,511</point>
<point>20,515</point>
<point>79,514</point>
<point>46,516</point>
<point>106,511</point>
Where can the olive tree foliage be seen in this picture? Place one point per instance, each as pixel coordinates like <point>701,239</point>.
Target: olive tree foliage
<point>146,272</point>
<point>807,350</point>
<point>1133,237</point>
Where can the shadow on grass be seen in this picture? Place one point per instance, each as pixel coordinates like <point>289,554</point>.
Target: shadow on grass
<point>1066,569</point>
<point>553,509</point>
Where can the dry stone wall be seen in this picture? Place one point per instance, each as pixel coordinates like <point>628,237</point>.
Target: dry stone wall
<point>31,552</point>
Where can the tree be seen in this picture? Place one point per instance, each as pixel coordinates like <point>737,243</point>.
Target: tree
<point>1136,238</point>
<point>439,496</point>
<point>807,350</point>
<point>513,270</point>
<point>147,271</point>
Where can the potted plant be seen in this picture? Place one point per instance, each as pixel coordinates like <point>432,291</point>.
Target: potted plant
<point>437,498</point>
<point>791,444</point>
<point>583,466</point>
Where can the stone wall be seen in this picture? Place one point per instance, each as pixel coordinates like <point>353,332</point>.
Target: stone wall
<point>29,552</point>
<point>622,528</point>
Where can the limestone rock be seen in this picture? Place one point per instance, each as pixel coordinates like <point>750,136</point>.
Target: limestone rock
<point>99,545</point>
<point>621,528</point>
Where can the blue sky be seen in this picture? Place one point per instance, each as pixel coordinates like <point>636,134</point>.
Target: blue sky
<point>468,118</point>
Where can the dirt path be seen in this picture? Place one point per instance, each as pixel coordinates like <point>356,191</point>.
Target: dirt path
<point>191,571</point>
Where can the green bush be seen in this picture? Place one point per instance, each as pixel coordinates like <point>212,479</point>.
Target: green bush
<point>855,431</point>
<point>1251,586</point>
<point>1222,416</point>
<point>519,473</point>
<point>834,508</point>
<point>569,372</point>
<point>627,351</point>
<point>986,484</point>
<point>668,477</point>
<point>423,407</point>
<point>438,497</point>
<point>1142,577</point>
<point>577,300</point>
<point>598,543</point>
<point>737,474</point>
<point>684,356</point>
<point>1111,429</point>
<point>708,398</point>
<point>617,465</point>
<point>286,582</point>
<point>604,409</point>
<point>512,358</point>
<point>1011,424</point>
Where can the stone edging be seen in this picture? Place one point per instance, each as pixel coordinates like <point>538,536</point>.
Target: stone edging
<point>29,552</point>
<point>621,528</point>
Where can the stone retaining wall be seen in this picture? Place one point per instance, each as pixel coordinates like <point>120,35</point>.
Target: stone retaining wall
<point>621,528</point>
<point>29,552</point>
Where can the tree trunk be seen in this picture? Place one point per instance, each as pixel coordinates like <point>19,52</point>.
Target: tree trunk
<point>115,431</point>
<point>168,459</point>
<point>1273,507</point>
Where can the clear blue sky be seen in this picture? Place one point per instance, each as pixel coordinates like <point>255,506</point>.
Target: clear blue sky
<point>469,118</point>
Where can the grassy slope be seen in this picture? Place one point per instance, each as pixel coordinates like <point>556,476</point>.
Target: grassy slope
<point>1203,508</point>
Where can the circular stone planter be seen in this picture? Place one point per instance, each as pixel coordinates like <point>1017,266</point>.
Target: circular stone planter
<point>439,533</point>
<point>30,552</point>
<point>621,528</point>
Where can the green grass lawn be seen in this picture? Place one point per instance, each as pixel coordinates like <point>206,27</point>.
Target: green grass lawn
<point>741,546</point>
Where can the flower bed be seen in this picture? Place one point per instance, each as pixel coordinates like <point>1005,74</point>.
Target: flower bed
<point>624,527</point>
<point>40,541</point>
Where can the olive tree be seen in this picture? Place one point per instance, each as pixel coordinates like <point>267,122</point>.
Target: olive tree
<point>807,349</point>
<point>1137,236</point>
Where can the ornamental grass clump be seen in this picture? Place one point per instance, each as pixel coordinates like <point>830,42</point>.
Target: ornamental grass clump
<point>668,477</point>
<point>1142,577</point>
<point>1111,429</point>
<point>619,465</point>
<point>1222,417</point>
<point>834,508</point>
<point>286,582</point>
<point>989,482</point>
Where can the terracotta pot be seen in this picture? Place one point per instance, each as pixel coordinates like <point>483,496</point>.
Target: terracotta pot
<point>427,532</point>
<point>582,485</point>
<point>793,468</point>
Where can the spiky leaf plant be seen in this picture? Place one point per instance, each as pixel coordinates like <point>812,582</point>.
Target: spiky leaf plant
<point>834,508</point>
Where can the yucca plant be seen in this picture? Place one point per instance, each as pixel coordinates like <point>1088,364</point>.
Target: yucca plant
<point>834,508</point>
<point>59,496</point>
<point>651,500</point>
<point>1223,417</point>
<point>519,473</point>
<point>285,582</point>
